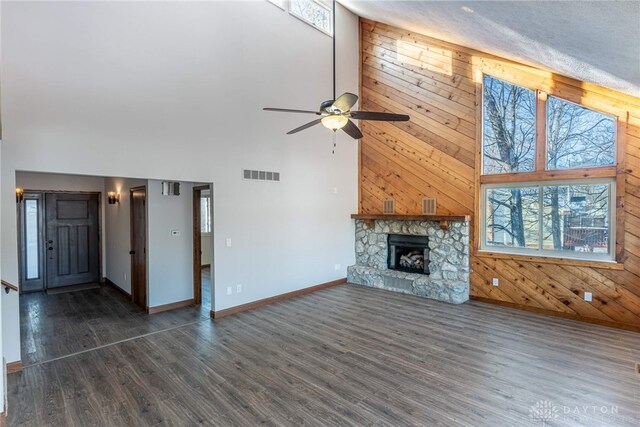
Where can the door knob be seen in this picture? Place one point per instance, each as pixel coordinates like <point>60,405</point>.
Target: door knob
<point>50,248</point>
<point>50,241</point>
<point>132,252</point>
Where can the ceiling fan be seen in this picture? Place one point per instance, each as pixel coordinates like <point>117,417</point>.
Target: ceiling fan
<point>336,113</point>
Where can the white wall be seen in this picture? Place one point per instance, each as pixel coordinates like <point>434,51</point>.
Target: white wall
<point>118,232</point>
<point>170,258</point>
<point>3,382</point>
<point>174,90</point>
<point>4,304</point>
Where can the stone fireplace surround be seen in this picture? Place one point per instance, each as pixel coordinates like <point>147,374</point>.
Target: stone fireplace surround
<point>448,280</point>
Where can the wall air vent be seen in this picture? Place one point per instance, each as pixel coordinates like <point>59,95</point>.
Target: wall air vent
<point>428,206</point>
<point>255,175</point>
<point>389,207</point>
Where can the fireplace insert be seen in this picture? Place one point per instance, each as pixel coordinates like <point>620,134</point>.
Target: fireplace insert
<point>408,253</point>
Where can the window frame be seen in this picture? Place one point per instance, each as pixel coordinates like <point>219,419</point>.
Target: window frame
<point>543,176</point>
<point>549,253</point>
<point>280,4</point>
<point>301,18</point>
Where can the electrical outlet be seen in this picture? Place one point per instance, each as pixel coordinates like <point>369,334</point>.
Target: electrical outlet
<point>588,296</point>
<point>496,282</point>
<point>239,288</point>
<point>337,267</point>
<point>229,290</point>
<point>228,242</point>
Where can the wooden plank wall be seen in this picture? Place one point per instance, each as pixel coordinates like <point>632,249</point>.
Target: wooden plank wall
<point>436,155</point>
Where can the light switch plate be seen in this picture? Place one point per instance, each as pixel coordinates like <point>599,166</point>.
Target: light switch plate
<point>496,282</point>
<point>228,242</point>
<point>588,296</point>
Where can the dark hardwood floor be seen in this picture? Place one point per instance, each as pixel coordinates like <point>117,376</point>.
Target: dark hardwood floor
<point>348,355</point>
<point>206,288</point>
<point>57,325</point>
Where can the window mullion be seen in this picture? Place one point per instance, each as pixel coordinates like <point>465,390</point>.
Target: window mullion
<point>540,217</point>
<point>541,131</point>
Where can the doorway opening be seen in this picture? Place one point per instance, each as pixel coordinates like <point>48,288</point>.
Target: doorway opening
<point>202,245</point>
<point>59,234</point>
<point>138,197</point>
<point>140,260</point>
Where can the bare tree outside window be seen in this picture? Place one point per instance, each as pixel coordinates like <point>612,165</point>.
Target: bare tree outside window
<point>578,137</point>
<point>545,216</point>
<point>508,128</point>
<point>509,144</point>
<point>509,230</point>
<point>582,223</point>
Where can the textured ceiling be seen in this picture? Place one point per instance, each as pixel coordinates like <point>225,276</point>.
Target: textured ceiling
<point>593,41</point>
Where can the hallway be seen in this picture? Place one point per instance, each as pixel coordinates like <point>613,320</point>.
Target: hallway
<point>58,325</point>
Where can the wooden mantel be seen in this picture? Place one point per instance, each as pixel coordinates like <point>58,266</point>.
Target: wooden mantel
<point>443,219</point>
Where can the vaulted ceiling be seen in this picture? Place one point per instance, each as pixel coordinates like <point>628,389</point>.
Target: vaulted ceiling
<point>593,41</point>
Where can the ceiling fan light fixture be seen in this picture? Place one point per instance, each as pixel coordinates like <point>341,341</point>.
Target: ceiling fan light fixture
<point>334,122</point>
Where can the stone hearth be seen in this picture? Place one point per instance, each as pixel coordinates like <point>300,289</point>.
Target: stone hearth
<point>448,278</point>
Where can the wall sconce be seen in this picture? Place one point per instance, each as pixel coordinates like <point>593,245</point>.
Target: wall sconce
<point>113,198</point>
<point>19,195</point>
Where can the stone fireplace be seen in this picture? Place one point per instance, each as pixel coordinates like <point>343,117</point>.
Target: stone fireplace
<point>417,257</point>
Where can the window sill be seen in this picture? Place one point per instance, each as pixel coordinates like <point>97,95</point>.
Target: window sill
<point>607,265</point>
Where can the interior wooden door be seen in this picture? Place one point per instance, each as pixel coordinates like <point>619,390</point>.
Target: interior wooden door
<point>72,241</point>
<point>139,246</point>
<point>197,246</point>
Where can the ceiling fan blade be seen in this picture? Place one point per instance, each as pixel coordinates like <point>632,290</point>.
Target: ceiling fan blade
<point>345,101</point>
<point>388,117</point>
<point>352,130</point>
<point>287,110</point>
<point>303,127</point>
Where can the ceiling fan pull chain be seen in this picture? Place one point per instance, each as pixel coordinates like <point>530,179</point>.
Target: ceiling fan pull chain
<point>333,151</point>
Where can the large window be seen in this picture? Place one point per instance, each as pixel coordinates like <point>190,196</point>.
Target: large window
<point>548,175</point>
<point>562,219</point>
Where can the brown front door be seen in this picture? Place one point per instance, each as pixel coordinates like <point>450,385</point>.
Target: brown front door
<point>72,245</point>
<point>139,246</point>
